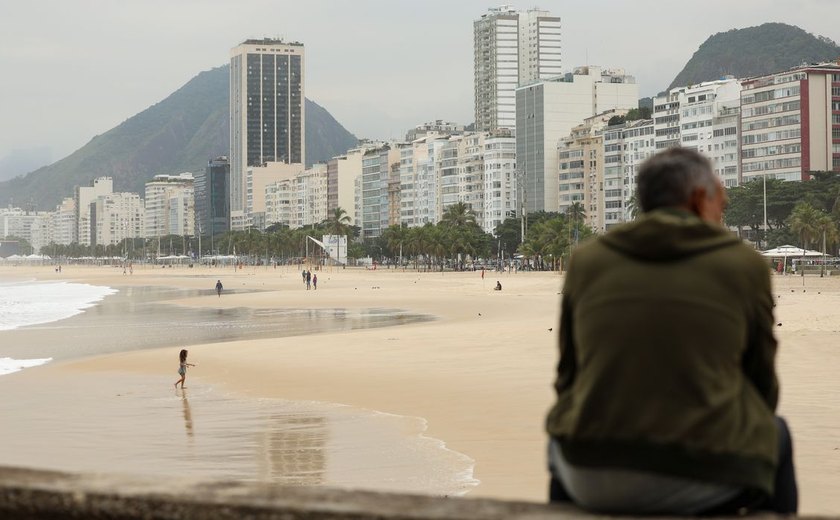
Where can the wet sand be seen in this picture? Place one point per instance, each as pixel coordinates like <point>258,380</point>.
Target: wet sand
<point>480,374</point>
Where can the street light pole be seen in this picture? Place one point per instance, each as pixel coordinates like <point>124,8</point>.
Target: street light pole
<point>764,177</point>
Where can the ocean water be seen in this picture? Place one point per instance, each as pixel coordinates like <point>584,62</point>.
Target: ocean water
<point>26,303</point>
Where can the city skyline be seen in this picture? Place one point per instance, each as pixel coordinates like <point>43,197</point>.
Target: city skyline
<point>371,63</point>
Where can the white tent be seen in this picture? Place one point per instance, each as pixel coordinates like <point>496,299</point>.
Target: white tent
<point>790,251</point>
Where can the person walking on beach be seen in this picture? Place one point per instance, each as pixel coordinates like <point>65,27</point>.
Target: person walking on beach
<point>219,288</point>
<point>182,368</point>
<point>315,282</point>
<point>667,406</point>
<point>303,274</point>
<point>308,279</point>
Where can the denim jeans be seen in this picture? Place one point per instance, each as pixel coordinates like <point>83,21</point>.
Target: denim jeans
<point>784,499</point>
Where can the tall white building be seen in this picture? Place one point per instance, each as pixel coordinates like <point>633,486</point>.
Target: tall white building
<point>63,222</point>
<point>118,216</point>
<point>372,208</point>
<point>28,225</point>
<point>511,48</point>
<point>266,116</point>
<point>84,197</point>
<point>170,205</point>
<point>342,173</point>
<point>626,146</point>
<point>298,201</point>
<point>546,112</point>
<point>639,145</point>
<point>702,117</point>
<point>500,187</point>
<point>418,182</point>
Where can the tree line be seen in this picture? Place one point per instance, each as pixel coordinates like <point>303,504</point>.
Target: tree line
<point>456,242</point>
<point>798,213</point>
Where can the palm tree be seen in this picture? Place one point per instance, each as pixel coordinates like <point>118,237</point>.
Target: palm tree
<point>394,238</point>
<point>338,224</point>
<point>576,213</point>
<point>804,221</point>
<point>459,216</point>
<point>633,206</point>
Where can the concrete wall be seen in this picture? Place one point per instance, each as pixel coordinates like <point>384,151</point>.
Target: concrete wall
<point>27,494</point>
<point>31,494</point>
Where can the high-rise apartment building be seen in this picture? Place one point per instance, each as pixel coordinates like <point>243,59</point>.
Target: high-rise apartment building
<point>372,209</point>
<point>212,197</point>
<point>626,146</point>
<point>84,197</point>
<point>170,205</point>
<point>790,123</point>
<point>511,48</point>
<point>63,222</point>
<point>500,188</point>
<point>546,112</point>
<point>118,216</point>
<point>24,224</point>
<point>342,173</point>
<point>581,167</point>
<point>702,117</point>
<point>266,116</point>
<point>418,182</point>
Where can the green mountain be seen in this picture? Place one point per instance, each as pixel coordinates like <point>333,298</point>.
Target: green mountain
<point>768,48</point>
<point>180,133</point>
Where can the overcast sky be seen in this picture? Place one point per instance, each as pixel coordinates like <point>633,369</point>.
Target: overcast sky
<point>72,69</point>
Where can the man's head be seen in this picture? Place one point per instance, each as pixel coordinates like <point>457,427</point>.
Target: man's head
<point>681,178</point>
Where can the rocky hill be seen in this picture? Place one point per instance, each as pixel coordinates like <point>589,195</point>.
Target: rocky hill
<point>753,51</point>
<point>175,135</point>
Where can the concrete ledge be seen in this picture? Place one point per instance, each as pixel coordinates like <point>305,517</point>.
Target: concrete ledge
<point>30,494</point>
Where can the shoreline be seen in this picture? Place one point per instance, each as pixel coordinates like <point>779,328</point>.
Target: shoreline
<point>480,374</point>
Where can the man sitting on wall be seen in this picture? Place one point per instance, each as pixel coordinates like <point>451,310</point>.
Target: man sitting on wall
<point>666,385</point>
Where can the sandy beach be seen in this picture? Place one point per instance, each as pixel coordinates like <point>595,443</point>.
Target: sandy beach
<point>467,366</point>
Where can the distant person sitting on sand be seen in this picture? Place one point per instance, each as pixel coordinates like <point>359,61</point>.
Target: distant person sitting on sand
<point>498,286</point>
<point>182,368</point>
<point>219,288</point>
<point>666,386</point>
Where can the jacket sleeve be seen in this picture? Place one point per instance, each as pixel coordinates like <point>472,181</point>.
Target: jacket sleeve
<point>759,362</point>
<point>567,367</point>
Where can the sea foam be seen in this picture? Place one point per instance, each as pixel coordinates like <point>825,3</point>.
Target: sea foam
<point>33,303</point>
<point>9,365</point>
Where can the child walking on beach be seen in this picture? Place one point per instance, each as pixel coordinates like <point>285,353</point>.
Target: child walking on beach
<point>182,370</point>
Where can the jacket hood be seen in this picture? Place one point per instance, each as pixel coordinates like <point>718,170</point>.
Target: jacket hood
<point>668,234</point>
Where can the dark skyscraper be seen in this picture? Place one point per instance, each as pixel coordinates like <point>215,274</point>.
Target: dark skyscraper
<point>212,198</point>
<point>266,112</point>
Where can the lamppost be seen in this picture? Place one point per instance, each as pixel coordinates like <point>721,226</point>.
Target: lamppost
<point>520,186</point>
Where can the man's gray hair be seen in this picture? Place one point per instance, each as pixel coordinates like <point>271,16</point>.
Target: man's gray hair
<point>670,177</point>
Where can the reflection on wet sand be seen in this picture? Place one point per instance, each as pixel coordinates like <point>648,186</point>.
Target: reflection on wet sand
<point>292,450</point>
<point>135,425</point>
<point>188,422</point>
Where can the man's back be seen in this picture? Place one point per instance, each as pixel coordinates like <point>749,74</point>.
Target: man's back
<point>657,331</point>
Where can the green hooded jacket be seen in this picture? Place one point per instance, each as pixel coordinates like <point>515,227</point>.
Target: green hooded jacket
<point>667,354</point>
